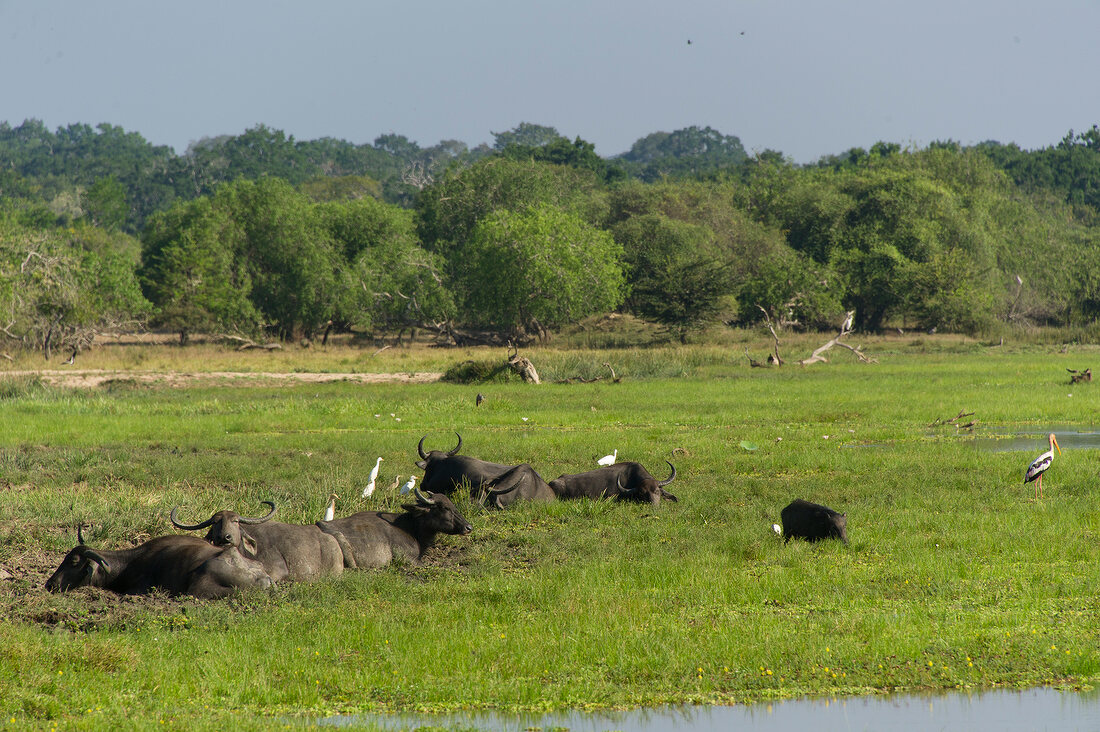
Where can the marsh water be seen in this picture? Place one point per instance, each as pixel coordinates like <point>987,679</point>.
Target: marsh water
<point>1002,710</point>
<point>1035,440</point>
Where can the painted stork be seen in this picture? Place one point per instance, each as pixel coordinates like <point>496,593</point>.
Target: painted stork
<point>1040,464</point>
<point>373,477</point>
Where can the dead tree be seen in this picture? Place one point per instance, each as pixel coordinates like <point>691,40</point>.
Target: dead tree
<point>522,366</point>
<point>1079,376</point>
<point>773,357</point>
<point>845,329</point>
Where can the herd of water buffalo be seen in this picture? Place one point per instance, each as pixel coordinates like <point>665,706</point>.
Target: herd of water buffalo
<point>240,552</point>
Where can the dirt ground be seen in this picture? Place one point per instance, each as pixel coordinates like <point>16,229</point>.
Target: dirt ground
<point>89,378</point>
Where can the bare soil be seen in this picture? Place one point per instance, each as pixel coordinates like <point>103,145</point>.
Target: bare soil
<point>90,378</point>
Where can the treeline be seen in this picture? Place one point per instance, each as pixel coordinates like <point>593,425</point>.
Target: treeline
<point>260,234</point>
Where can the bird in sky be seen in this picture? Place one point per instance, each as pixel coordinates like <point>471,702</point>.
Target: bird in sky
<point>609,459</point>
<point>1040,465</point>
<point>330,512</point>
<point>373,477</point>
<point>407,488</point>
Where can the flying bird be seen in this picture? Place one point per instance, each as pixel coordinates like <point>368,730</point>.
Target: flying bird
<point>373,477</point>
<point>408,487</point>
<point>609,459</point>
<point>330,512</point>
<point>1040,464</point>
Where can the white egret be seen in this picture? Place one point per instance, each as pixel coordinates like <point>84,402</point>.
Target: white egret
<point>373,477</point>
<point>407,488</point>
<point>330,512</point>
<point>609,459</point>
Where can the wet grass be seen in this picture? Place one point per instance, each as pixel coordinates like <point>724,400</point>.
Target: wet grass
<point>953,578</point>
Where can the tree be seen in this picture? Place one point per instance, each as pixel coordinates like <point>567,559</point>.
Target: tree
<point>677,275</point>
<point>526,271</point>
<point>525,134</point>
<point>192,274</point>
<point>688,152</point>
<point>104,203</point>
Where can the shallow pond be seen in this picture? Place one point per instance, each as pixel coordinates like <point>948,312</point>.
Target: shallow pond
<point>1006,439</point>
<point>1001,710</point>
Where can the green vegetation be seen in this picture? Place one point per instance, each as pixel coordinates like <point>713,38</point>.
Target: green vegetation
<point>954,578</point>
<point>264,236</point>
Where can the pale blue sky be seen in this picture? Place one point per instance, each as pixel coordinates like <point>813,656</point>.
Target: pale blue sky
<point>806,77</point>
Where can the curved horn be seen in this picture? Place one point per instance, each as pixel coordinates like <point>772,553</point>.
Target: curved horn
<point>420,448</point>
<point>669,479</point>
<point>80,533</point>
<point>494,492</point>
<point>422,499</point>
<point>454,452</point>
<point>623,490</point>
<point>95,557</point>
<point>260,520</point>
<point>189,527</point>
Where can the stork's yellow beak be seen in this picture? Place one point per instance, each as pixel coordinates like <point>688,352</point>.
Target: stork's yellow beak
<point>1054,440</point>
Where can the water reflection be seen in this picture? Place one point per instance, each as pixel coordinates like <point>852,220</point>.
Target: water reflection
<point>1006,711</point>
<point>1005,439</point>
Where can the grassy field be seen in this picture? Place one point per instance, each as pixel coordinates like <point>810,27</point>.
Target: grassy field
<point>954,578</point>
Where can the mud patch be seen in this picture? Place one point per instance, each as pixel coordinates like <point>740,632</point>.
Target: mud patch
<point>92,378</point>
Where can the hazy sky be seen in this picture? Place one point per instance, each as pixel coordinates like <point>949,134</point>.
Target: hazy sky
<point>805,77</point>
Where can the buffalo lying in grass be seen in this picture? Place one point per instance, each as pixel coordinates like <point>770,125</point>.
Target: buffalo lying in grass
<point>286,551</point>
<point>375,538</point>
<point>179,565</point>
<point>622,481</point>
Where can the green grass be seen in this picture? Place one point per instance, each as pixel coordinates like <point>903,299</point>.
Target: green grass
<point>954,578</point>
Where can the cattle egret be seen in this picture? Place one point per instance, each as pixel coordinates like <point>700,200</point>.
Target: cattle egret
<point>777,529</point>
<point>396,482</point>
<point>1040,465</point>
<point>609,459</point>
<point>373,477</point>
<point>330,512</point>
<point>407,488</point>
<point>479,399</point>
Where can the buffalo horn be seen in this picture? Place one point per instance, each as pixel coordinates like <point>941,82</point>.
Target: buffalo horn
<point>623,491</point>
<point>670,478</point>
<point>189,527</point>
<point>80,533</point>
<point>95,557</point>
<point>420,448</point>
<point>454,452</point>
<point>422,499</point>
<point>260,520</point>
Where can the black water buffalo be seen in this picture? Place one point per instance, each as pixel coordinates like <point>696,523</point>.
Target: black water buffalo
<point>519,483</point>
<point>375,538</point>
<point>812,522</point>
<point>287,551</point>
<point>446,472</point>
<point>179,565</point>
<point>621,481</point>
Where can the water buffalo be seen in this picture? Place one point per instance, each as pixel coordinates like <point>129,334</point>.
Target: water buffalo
<point>520,483</point>
<point>622,481</point>
<point>179,565</point>
<point>375,538</point>
<point>812,522</point>
<point>287,551</point>
<point>446,472</point>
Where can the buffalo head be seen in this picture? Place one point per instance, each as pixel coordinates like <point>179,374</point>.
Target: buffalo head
<point>436,513</point>
<point>225,527</point>
<point>81,567</point>
<point>425,458</point>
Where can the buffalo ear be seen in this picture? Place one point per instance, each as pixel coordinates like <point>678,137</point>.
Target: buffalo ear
<point>249,544</point>
<point>669,497</point>
<point>422,464</point>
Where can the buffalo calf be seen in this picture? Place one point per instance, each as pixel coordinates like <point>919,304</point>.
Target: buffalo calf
<point>813,522</point>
